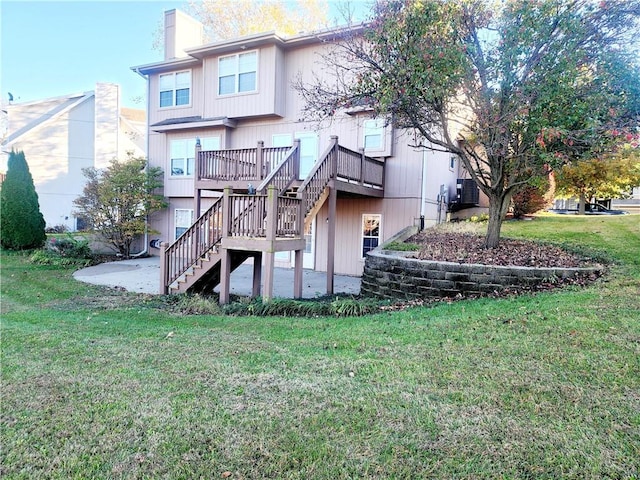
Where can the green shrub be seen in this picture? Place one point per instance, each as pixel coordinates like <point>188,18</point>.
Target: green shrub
<point>21,222</point>
<point>64,251</point>
<point>284,307</point>
<point>402,246</point>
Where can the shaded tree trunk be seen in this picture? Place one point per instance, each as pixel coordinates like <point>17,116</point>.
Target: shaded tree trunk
<point>498,207</point>
<point>582,204</point>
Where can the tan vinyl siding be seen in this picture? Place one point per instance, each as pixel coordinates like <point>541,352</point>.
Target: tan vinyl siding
<point>396,215</point>
<point>262,102</point>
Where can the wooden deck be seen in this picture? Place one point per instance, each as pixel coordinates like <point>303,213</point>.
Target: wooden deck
<point>263,210</point>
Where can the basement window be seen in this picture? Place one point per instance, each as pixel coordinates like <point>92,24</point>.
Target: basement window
<point>183,220</point>
<point>370,232</point>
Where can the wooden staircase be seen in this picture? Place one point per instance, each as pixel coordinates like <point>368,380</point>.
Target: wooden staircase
<point>247,225</point>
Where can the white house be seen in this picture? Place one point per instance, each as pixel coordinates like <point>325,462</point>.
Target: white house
<point>60,136</point>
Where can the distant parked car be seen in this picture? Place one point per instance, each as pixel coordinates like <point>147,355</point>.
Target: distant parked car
<point>590,209</point>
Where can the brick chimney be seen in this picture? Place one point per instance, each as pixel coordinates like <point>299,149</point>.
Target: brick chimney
<point>180,32</point>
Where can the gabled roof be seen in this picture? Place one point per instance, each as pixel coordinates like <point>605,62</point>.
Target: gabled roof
<point>197,53</point>
<point>66,103</point>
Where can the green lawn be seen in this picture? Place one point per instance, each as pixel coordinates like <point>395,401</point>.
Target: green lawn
<point>101,384</point>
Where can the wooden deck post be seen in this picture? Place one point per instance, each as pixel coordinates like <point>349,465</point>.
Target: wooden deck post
<point>297,274</point>
<point>362,165</point>
<point>164,288</point>
<point>331,241</point>
<point>269,255</point>
<point>226,211</point>
<point>196,177</point>
<point>197,203</point>
<point>257,274</point>
<point>225,255</point>
<point>260,167</point>
<point>225,275</point>
<point>333,200</point>
<point>296,160</point>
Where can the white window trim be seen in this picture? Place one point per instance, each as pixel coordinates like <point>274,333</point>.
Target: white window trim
<point>237,74</point>
<point>363,236</point>
<point>382,127</point>
<point>174,89</point>
<point>175,221</point>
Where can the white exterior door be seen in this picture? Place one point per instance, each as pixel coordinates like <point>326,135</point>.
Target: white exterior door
<point>309,255</point>
<point>308,152</point>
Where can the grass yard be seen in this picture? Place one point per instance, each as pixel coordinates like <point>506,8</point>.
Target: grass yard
<point>103,384</point>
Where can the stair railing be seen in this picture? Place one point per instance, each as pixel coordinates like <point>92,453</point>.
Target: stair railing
<point>199,239</point>
<point>323,171</point>
<point>283,175</point>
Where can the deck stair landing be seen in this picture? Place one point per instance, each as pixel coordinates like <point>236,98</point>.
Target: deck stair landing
<point>258,223</point>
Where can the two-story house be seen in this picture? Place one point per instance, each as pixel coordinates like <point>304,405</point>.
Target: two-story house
<point>62,135</point>
<point>226,114</point>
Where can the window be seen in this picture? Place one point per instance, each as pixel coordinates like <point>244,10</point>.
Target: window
<point>183,154</point>
<point>373,134</point>
<point>370,232</point>
<point>175,89</point>
<point>237,73</point>
<point>183,220</point>
<point>452,162</point>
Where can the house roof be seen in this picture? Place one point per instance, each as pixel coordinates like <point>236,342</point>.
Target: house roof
<point>60,106</point>
<point>249,42</point>
<point>192,122</point>
<point>133,114</point>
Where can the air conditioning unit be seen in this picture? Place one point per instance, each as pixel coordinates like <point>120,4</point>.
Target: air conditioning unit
<point>467,192</point>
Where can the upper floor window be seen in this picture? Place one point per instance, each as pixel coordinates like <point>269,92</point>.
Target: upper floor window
<point>175,89</point>
<point>374,134</point>
<point>183,156</point>
<point>237,73</point>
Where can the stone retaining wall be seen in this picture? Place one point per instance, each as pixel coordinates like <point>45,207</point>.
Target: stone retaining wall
<point>390,274</point>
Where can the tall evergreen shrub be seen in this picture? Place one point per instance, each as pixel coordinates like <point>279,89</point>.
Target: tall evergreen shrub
<point>21,222</point>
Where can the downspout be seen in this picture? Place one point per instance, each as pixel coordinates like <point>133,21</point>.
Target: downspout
<point>145,249</point>
<point>423,190</point>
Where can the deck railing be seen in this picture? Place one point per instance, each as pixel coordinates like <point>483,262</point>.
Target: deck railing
<point>356,167</point>
<point>232,215</point>
<point>267,214</point>
<point>283,175</point>
<point>323,171</point>
<point>340,163</point>
<point>245,164</point>
<point>247,215</point>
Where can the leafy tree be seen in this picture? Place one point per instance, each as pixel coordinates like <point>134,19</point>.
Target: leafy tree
<point>530,197</point>
<point>481,80</point>
<point>225,19</point>
<point>21,222</point>
<point>611,175</point>
<point>116,201</point>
